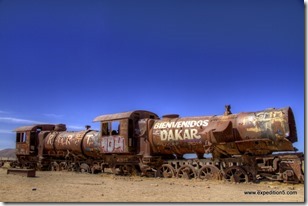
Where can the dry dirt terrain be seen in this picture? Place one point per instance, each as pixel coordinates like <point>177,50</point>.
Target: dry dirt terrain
<point>105,187</point>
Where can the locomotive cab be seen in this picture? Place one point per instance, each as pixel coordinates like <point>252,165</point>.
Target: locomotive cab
<point>120,132</point>
<point>27,141</point>
<point>27,138</point>
<point>23,144</point>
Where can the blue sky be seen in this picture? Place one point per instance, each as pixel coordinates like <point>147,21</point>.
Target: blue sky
<point>70,61</point>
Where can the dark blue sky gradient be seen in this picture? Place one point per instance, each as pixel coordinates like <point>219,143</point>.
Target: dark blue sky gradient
<point>70,61</point>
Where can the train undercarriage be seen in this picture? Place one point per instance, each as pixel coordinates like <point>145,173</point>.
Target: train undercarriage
<point>283,167</point>
<point>286,168</point>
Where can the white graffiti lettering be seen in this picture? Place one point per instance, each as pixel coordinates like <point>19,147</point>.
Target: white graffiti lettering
<point>180,124</point>
<point>186,134</point>
<point>112,144</point>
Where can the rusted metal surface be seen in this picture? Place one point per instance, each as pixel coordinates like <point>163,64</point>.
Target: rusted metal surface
<point>22,172</point>
<point>27,137</point>
<point>91,144</point>
<point>35,127</point>
<point>85,142</point>
<point>138,142</point>
<point>235,174</point>
<point>126,115</point>
<point>22,149</point>
<point>209,172</point>
<point>231,134</point>
<point>273,124</point>
<point>69,141</point>
<point>112,144</point>
<point>59,142</point>
<point>179,135</point>
<point>123,139</point>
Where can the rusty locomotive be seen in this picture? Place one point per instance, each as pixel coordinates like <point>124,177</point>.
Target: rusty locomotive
<point>248,146</point>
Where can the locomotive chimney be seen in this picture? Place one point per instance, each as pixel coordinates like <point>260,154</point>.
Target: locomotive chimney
<point>227,110</point>
<point>88,127</point>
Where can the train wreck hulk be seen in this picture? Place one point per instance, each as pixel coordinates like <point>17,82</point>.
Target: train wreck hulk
<point>248,146</point>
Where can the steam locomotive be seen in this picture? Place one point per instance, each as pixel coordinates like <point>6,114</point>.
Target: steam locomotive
<point>248,146</point>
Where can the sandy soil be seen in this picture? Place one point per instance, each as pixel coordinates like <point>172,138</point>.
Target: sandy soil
<point>106,187</point>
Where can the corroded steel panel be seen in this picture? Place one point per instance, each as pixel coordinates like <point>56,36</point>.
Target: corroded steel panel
<point>23,172</point>
<point>180,135</point>
<point>91,144</point>
<point>49,142</point>
<point>69,141</point>
<point>22,148</point>
<point>269,124</point>
<point>65,141</point>
<point>260,132</point>
<point>112,144</point>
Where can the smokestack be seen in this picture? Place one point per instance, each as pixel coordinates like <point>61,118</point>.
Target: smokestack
<point>227,110</point>
<point>88,127</point>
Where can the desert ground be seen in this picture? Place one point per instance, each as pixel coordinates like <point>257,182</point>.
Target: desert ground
<point>105,187</point>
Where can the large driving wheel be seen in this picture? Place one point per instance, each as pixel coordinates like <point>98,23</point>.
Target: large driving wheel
<point>63,166</point>
<point>235,174</point>
<point>95,168</point>
<point>127,170</point>
<point>187,172</point>
<point>166,171</point>
<point>84,168</point>
<point>55,166</point>
<point>209,172</point>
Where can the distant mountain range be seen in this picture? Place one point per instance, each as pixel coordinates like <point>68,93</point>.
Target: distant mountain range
<point>8,153</point>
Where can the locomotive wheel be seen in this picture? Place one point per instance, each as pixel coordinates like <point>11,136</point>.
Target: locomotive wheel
<point>55,166</point>
<point>209,172</point>
<point>84,168</point>
<point>235,174</point>
<point>166,171</point>
<point>95,168</point>
<point>63,166</point>
<point>127,170</point>
<point>72,167</point>
<point>115,170</point>
<point>187,172</point>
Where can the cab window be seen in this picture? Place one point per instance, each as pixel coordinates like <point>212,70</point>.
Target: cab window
<point>21,137</point>
<point>110,128</point>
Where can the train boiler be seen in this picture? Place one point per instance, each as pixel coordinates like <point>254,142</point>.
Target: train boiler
<point>250,133</point>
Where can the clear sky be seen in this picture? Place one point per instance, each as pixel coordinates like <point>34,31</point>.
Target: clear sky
<point>67,61</point>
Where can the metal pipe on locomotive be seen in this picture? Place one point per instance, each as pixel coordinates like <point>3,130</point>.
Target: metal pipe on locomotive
<point>245,147</point>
